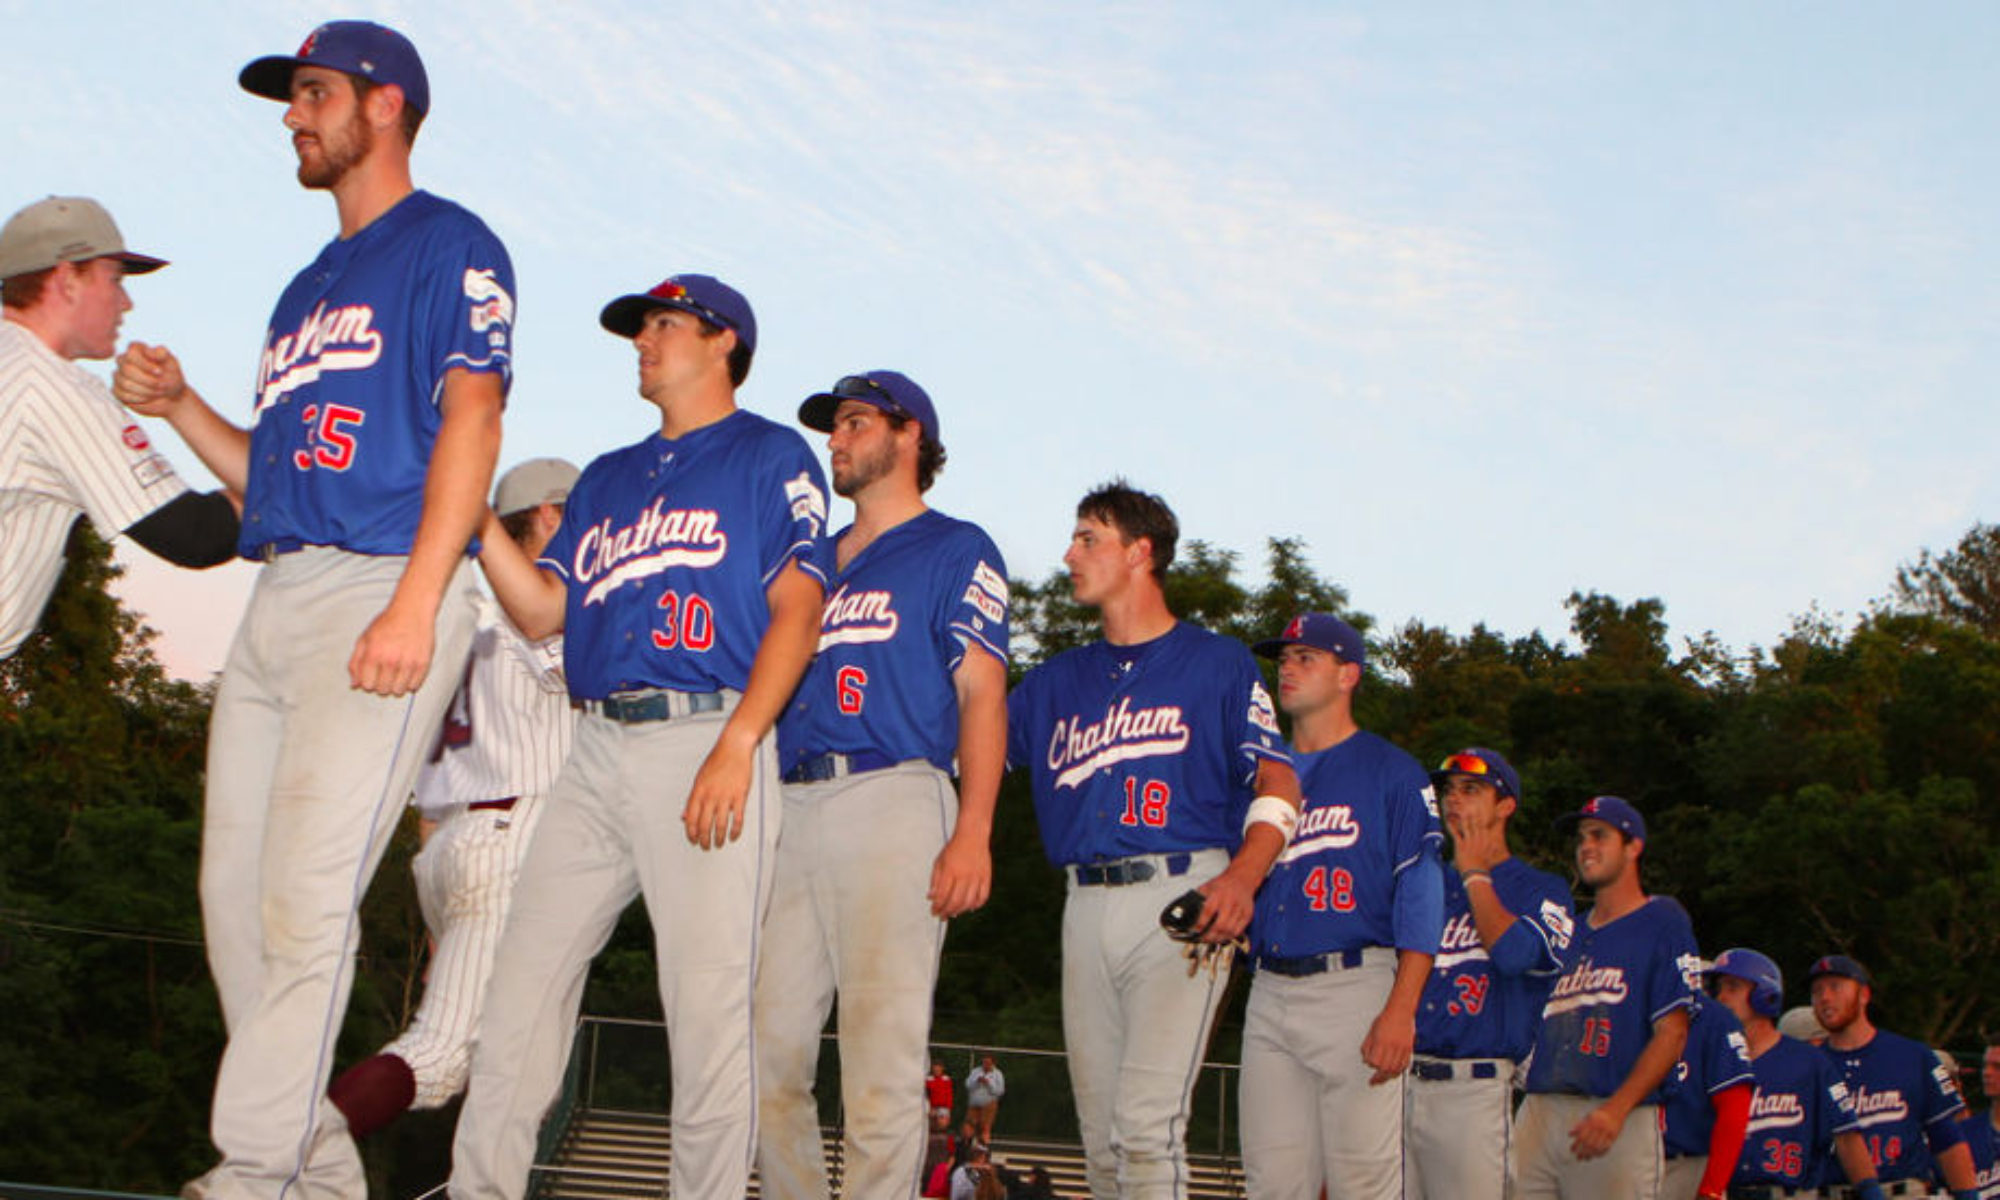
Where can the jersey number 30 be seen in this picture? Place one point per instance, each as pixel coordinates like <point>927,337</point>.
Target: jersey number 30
<point>687,622</point>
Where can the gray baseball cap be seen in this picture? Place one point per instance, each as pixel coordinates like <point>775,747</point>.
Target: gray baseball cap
<point>535,482</point>
<point>65,229</point>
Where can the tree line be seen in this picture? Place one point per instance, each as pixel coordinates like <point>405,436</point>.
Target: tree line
<point>1835,791</point>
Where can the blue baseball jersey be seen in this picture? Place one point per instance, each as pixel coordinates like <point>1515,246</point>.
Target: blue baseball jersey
<point>1144,749</point>
<point>897,623</point>
<point>1362,867</point>
<point>667,547</point>
<point>1801,1102</point>
<point>1488,1004</point>
<point>1620,978</point>
<point>1906,1101</point>
<point>1984,1142</point>
<point>353,370</point>
<point>1717,1058</point>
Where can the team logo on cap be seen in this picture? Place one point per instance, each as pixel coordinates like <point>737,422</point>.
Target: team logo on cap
<point>671,291</point>
<point>311,43</point>
<point>1295,630</point>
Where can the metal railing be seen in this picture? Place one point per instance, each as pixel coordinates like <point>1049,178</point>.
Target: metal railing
<point>623,1065</point>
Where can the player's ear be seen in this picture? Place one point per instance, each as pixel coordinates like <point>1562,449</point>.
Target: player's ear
<point>1506,806</point>
<point>383,106</point>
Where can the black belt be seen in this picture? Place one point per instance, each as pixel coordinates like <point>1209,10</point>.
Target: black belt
<point>818,768</point>
<point>1311,964</point>
<point>1433,1070</point>
<point>1900,1187</point>
<point>657,704</point>
<point>1121,871</point>
<point>1769,1191</point>
<point>501,805</point>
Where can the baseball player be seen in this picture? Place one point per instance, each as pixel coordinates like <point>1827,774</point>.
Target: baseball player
<point>1613,1028</point>
<point>1907,1100</point>
<point>66,448</point>
<point>505,736</point>
<point>909,688</point>
<point>687,579</point>
<point>1146,750</point>
<point>1707,1101</point>
<point>1345,932</point>
<point>1801,1110</point>
<point>1982,1130</point>
<point>1507,926</point>
<point>364,476</point>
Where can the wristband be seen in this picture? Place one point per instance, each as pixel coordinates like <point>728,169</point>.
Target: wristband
<point>1276,813</point>
<point>1476,876</point>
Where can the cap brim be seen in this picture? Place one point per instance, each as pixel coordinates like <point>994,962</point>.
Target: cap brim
<point>269,77</point>
<point>1272,648</point>
<point>139,264</point>
<point>816,411</point>
<point>624,315</point>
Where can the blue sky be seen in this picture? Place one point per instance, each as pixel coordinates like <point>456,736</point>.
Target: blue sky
<point>1485,302</point>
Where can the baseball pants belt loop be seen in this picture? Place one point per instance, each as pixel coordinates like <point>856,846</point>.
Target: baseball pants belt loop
<point>653,704</point>
<point>270,550</point>
<point>818,768</point>
<point>500,805</point>
<point>1444,1070</point>
<point>1121,871</point>
<point>1310,964</point>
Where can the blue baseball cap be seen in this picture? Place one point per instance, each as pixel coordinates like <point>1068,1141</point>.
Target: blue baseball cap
<point>1613,811</point>
<point>1841,965</point>
<point>374,52</point>
<point>890,391</point>
<point>1767,982</point>
<point>1321,631</point>
<point>715,302</point>
<point>1477,762</point>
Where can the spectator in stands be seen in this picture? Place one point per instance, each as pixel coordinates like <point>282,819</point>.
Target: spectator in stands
<point>937,1091</point>
<point>983,1089</point>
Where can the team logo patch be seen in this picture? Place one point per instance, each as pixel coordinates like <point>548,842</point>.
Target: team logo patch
<point>134,438</point>
<point>1559,924</point>
<point>1263,714</point>
<point>807,501</point>
<point>987,593</point>
<point>151,470</point>
<point>491,305</point>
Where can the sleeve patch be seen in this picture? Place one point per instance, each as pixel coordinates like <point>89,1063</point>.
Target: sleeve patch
<point>807,501</point>
<point>491,305</point>
<point>1263,714</point>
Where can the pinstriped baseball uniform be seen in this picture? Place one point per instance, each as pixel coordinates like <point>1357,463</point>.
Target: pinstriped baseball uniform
<point>517,706</point>
<point>66,448</point>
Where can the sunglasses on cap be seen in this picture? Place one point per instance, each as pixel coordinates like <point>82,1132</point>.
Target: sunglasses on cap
<point>860,387</point>
<point>1469,764</point>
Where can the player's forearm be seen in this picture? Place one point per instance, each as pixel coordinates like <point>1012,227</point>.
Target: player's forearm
<point>1662,1051</point>
<point>532,598</point>
<point>1491,918</point>
<point>455,486</point>
<point>782,657</point>
<point>981,684</point>
<point>221,445</point>
<point>1854,1158</point>
<point>1955,1164</point>
<point>1413,969</point>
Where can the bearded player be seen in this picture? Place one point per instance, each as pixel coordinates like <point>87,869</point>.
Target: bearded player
<point>878,851</point>
<point>1907,1100</point>
<point>1156,767</point>
<point>1801,1111</point>
<point>364,477</point>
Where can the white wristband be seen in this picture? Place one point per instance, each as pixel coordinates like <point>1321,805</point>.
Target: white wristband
<point>1272,811</point>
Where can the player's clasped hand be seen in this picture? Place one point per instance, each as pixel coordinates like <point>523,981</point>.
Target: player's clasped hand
<point>961,878</point>
<point>1391,1040</point>
<point>393,655</point>
<point>148,379</point>
<point>1593,1136</point>
<point>1226,912</point>
<point>714,813</point>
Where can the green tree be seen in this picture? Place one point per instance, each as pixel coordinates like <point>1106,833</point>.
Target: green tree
<point>1962,584</point>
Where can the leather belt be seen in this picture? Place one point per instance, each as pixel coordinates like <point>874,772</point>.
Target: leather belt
<point>1443,1070</point>
<point>275,547</point>
<point>1121,871</point>
<point>653,704</point>
<point>818,768</point>
<point>1311,964</point>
